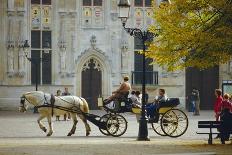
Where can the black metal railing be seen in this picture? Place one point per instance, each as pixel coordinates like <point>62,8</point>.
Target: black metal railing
<point>152,77</point>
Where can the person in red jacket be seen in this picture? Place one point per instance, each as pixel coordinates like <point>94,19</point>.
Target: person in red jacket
<point>217,104</point>
<point>226,104</point>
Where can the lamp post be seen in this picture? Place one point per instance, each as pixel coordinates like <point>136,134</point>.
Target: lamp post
<point>144,36</point>
<point>36,61</point>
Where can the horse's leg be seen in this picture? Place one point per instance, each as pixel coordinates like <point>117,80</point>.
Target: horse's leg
<point>50,125</point>
<point>74,118</point>
<point>40,124</point>
<point>87,127</point>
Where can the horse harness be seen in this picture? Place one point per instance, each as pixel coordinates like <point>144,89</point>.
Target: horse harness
<point>52,105</point>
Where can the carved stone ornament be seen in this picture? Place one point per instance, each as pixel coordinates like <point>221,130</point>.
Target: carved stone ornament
<point>93,41</point>
<point>96,63</point>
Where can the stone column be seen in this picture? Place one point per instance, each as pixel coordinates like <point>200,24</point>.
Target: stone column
<point>62,46</point>
<point>21,63</point>
<point>62,60</point>
<point>72,64</point>
<point>124,53</point>
<point>10,50</point>
<point>114,45</point>
<point>10,62</point>
<point>10,5</point>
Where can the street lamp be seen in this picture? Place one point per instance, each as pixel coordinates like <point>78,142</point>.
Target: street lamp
<point>36,61</point>
<point>124,11</point>
<point>144,36</point>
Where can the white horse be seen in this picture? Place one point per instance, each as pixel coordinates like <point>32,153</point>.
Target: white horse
<point>49,105</point>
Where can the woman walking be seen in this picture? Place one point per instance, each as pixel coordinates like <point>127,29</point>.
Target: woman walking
<point>218,103</point>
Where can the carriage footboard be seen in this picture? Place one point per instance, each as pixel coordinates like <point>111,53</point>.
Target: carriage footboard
<point>96,120</point>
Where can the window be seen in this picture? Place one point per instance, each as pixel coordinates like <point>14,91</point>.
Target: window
<point>137,74</point>
<point>92,2</point>
<point>35,1</point>
<point>35,39</point>
<point>138,3</point>
<point>35,67</point>
<point>97,3</point>
<point>142,3</point>
<point>87,2</point>
<point>92,13</point>
<point>41,37</point>
<point>44,2</point>
<point>142,13</point>
<point>148,3</point>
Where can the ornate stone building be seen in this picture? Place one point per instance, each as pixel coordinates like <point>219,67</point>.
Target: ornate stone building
<point>89,52</point>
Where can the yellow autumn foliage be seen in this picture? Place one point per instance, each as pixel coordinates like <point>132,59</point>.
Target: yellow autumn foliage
<point>192,33</point>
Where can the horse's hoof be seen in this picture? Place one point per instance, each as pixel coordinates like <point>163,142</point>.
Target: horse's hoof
<point>48,135</point>
<point>88,133</point>
<point>69,134</point>
<point>44,130</point>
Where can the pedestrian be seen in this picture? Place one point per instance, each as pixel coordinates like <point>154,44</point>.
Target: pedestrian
<point>66,93</point>
<point>196,98</point>
<point>58,93</point>
<point>225,118</point>
<point>217,104</point>
<point>226,104</point>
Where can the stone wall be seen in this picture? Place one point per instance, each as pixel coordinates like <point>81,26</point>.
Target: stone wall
<point>74,42</point>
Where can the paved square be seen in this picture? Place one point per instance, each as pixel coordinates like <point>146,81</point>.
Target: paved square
<point>20,134</point>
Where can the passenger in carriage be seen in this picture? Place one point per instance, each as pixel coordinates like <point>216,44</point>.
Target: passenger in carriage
<point>152,108</point>
<point>135,98</point>
<point>124,89</point>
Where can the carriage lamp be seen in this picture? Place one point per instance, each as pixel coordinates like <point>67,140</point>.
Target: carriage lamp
<point>26,47</point>
<point>124,10</point>
<point>144,36</point>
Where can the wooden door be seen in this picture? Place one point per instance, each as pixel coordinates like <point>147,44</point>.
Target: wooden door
<point>91,84</point>
<point>206,81</point>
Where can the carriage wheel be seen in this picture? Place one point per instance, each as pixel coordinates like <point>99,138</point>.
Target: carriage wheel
<point>157,128</point>
<point>174,123</point>
<point>104,118</point>
<point>116,125</point>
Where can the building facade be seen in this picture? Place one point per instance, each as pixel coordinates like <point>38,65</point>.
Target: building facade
<point>88,50</point>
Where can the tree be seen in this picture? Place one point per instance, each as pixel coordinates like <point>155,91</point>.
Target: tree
<point>192,33</point>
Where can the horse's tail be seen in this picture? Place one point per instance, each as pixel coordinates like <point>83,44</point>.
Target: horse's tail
<point>85,106</point>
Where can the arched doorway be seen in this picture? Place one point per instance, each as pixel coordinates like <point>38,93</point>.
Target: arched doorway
<point>91,79</point>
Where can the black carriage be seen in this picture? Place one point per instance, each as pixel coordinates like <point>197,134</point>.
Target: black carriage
<point>169,120</point>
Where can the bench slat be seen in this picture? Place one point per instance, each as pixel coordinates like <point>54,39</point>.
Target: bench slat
<point>208,122</point>
<point>206,133</point>
<point>208,126</point>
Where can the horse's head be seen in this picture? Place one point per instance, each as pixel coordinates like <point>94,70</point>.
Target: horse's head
<point>33,98</point>
<point>23,106</point>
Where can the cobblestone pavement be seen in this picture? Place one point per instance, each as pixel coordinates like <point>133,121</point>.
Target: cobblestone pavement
<point>20,134</point>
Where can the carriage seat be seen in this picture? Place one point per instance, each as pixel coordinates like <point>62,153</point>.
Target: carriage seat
<point>170,102</point>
